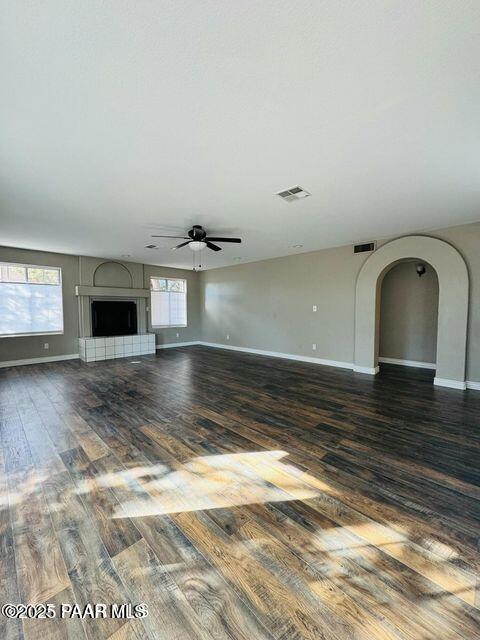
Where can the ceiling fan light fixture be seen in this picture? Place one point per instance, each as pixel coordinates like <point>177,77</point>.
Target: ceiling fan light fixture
<point>197,245</point>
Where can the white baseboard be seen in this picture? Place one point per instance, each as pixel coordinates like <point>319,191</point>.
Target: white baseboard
<point>170,345</point>
<point>18,363</point>
<point>452,384</point>
<point>441,382</point>
<point>277,354</point>
<point>372,371</point>
<point>475,386</point>
<point>409,363</point>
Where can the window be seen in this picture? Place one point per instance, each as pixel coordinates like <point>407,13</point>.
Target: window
<point>169,302</point>
<point>30,299</point>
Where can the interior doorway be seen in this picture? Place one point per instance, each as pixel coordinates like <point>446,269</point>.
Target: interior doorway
<point>452,304</point>
<point>409,315</point>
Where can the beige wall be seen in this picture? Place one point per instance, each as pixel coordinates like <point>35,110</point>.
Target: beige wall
<point>268,305</point>
<point>409,310</point>
<point>79,270</point>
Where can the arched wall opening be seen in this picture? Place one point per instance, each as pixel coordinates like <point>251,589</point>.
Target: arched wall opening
<point>452,304</point>
<point>409,315</point>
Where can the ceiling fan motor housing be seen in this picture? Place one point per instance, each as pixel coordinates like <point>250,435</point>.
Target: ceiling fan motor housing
<point>197,232</point>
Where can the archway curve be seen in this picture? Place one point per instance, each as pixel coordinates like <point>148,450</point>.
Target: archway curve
<point>452,304</point>
<point>112,274</point>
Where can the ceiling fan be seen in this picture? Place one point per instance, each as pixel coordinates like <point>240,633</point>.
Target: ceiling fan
<point>197,239</point>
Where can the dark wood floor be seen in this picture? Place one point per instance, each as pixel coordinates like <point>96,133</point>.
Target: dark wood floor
<point>240,497</point>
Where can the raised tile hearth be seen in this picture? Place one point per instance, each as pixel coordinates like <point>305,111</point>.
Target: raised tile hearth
<point>94,349</point>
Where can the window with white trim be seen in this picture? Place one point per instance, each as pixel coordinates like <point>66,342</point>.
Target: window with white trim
<point>168,302</point>
<point>30,300</point>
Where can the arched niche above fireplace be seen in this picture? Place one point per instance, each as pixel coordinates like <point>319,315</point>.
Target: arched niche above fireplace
<point>112,274</point>
<point>110,280</point>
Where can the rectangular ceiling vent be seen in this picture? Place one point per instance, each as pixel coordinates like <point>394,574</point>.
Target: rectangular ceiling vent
<point>294,193</point>
<point>362,248</point>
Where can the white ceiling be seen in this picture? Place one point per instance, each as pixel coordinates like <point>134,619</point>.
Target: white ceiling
<point>124,118</point>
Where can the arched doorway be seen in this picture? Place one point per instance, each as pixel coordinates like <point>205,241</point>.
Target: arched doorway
<point>409,315</point>
<point>452,304</point>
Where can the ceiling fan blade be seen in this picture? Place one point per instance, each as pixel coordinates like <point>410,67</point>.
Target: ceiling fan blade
<point>210,245</point>
<point>182,244</point>
<point>224,239</point>
<point>179,237</point>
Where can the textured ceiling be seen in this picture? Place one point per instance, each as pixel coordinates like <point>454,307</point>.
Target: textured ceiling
<point>120,119</point>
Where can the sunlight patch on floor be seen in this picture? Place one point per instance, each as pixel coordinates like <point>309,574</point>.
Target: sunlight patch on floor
<point>444,574</point>
<point>213,482</point>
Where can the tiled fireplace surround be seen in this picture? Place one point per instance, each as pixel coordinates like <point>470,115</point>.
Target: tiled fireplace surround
<point>94,349</point>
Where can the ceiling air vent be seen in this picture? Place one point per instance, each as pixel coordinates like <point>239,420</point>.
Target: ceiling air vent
<point>150,246</point>
<point>294,193</point>
<point>362,248</point>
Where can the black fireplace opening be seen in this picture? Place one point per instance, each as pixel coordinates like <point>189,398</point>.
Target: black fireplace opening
<point>114,318</point>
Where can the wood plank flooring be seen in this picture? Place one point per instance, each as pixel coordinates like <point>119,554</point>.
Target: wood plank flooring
<point>239,497</point>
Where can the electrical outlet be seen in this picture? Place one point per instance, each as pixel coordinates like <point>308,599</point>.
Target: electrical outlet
<point>178,335</point>
<point>314,347</point>
<point>228,336</point>
<point>314,308</point>
<point>46,345</point>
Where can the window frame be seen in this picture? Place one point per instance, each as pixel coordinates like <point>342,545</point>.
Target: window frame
<point>27,266</point>
<point>168,326</point>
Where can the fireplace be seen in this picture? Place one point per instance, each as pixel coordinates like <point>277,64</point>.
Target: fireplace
<point>114,318</point>
<point>112,310</point>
